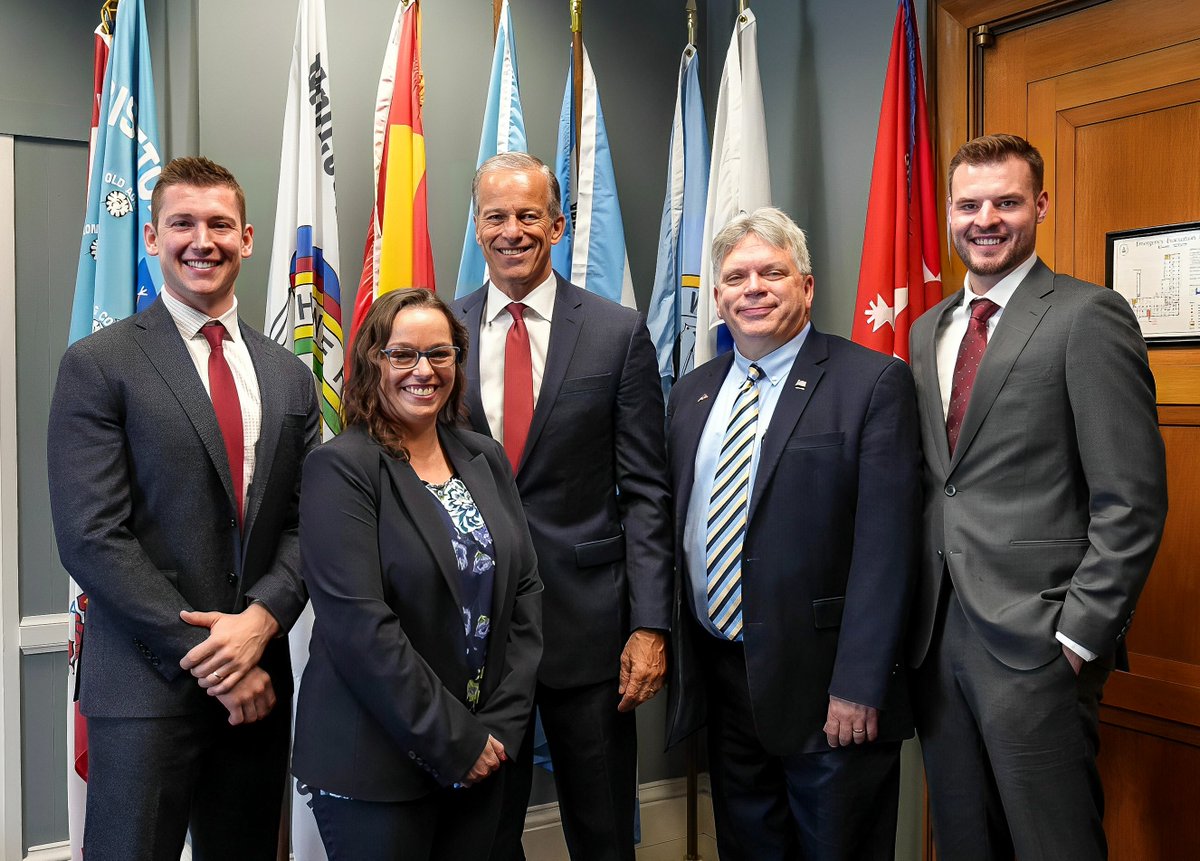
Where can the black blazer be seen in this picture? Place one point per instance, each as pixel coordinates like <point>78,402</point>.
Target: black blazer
<point>829,555</point>
<point>382,714</point>
<point>604,555</point>
<point>143,509</point>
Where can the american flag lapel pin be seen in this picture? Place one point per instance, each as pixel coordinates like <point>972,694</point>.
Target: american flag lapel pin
<point>702,398</point>
<point>801,384</point>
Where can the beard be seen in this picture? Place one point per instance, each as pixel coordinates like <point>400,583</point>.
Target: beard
<point>1017,252</point>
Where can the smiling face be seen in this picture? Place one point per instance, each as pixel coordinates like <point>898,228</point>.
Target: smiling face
<point>415,396</point>
<point>762,296</point>
<point>515,230</point>
<point>993,214</point>
<point>200,242</point>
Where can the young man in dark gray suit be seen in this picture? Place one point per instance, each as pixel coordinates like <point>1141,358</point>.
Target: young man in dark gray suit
<point>1045,497</point>
<point>794,465</point>
<point>175,444</point>
<point>568,382</point>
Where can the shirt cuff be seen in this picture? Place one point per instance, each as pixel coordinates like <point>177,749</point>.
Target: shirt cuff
<point>1086,654</point>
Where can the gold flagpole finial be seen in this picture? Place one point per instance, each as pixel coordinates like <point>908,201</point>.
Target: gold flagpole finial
<point>743,5</point>
<point>108,15</point>
<point>576,16</point>
<point>691,22</point>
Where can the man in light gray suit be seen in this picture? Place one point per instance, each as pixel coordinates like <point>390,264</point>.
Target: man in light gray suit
<point>176,439</point>
<point>1045,496</point>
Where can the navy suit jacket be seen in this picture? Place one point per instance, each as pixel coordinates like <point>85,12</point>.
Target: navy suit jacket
<point>593,483</point>
<point>143,508</point>
<point>829,554</point>
<point>382,713</point>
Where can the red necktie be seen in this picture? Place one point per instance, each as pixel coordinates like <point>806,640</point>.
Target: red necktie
<point>226,404</point>
<point>970,352</point>
<point>518,386</point>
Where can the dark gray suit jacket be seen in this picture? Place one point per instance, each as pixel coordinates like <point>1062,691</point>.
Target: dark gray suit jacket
<point>593,483</point>
<point>382,714</point>
<point>143,509</point>
<point>1049,514</point>
<point>829,554</point>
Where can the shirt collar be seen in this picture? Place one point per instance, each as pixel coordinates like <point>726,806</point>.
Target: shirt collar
<point>775,364</point>
<point>189,321</point>
<point>539,300</point>
<point>1004,288</point>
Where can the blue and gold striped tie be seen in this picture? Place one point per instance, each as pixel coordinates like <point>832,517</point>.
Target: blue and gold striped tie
<point>727,510</point>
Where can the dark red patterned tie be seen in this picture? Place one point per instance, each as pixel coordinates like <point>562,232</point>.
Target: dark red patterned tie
<point>518,386</point>
<point>226,404</point>
<point>970,352</point>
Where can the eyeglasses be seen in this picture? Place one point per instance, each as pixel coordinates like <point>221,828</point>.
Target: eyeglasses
<point>406,358</point>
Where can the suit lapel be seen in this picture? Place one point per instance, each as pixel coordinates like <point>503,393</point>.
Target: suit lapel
<point>473,319</point>
<point>1021,317</point>
<point>564,332</point>
<point>798,388</point>
<point>426,515</point>
<point>160,340</point>
<point>266,369</point>
<point>687,425</point>
<point>930,390</point>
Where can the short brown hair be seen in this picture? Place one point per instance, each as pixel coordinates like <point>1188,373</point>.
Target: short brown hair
<point>198,171</point>
<point>361,401</point>
<point>993,149</point>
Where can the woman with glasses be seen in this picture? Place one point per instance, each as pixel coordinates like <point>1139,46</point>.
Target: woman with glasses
<point>424,583</point>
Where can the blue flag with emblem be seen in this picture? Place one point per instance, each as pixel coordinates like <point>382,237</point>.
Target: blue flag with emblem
<point>591,253</point>
<point>672,313</point>
<point>503,131</point>
<point>116,277</point>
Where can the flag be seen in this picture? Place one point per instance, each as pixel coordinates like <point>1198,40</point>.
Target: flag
<point>900,276</point>
<point>398,253</point>
<point>592,251</point>
<point>503,131</point>
<point>739,178</point>
<point>115,277</point>
<point>672,314</point>
<point>304,298</point>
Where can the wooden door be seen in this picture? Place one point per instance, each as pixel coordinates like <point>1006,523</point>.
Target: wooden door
<point>1109,92</point>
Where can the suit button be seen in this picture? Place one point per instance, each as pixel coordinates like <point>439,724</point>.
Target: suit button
<point>233,523</point>
<point>231,579</point>
<point>951,490</point>
<point>941,553</point>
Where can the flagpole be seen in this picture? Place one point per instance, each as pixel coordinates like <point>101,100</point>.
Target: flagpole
<point>108,14</point>
<point>577,67</point>
<point>497,5</point>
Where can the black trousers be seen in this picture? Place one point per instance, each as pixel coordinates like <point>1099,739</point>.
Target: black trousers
<point>1010,755</point>
<point>150,780</point>
<point>594,750</point>
<point>449,825</point>
<point>836,804</point>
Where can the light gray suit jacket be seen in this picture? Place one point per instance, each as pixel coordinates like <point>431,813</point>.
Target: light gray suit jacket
<point>143,509</point>
<point>1049,514</point>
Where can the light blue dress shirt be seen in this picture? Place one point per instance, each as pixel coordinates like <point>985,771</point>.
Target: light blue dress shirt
<point>775,367</point>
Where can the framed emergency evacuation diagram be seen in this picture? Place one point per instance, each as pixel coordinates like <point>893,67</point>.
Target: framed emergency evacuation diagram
<point>1157,270</point>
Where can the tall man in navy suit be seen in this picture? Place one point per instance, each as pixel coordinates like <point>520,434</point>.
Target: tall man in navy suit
<point>794,468</point>
<point>1045,497</point>
<point>568,383</point>
<point>175,445</point>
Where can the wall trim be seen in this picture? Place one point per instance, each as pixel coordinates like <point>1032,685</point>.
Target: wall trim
<point>39,635</point>
<point>60,851</point>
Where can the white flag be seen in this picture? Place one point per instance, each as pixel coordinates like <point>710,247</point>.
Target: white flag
<point>739,178</point>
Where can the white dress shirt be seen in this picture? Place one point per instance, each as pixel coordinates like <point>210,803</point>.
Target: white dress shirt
<point>493,334</point>
<point>189,321</point>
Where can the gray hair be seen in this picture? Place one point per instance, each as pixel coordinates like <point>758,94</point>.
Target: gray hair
<point>518,161</point>
<point>773,227</point>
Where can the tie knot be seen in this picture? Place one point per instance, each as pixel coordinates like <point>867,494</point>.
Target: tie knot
<point>983,309</point>
<point>214,332</point>
<point>517,309</point>
<point>754,374</point>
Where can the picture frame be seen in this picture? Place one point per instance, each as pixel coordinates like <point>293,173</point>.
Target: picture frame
<point>1157,270</point>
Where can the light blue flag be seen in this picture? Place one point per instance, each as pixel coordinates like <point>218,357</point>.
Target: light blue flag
<point>503,131</point>
<point>672,314</point>
<point>116,277</point>
<point>592,251</point>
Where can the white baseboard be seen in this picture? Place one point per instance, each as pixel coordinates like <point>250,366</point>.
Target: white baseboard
<point>60,851</point>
